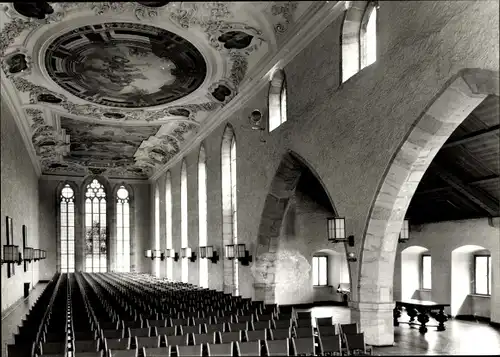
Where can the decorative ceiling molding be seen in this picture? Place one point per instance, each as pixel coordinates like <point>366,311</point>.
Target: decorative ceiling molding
<point>299,37</point>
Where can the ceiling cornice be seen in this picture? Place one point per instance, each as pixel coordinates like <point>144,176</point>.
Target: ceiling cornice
<point>300,37</point>
<point>115,180</point>
<point>12,102</point>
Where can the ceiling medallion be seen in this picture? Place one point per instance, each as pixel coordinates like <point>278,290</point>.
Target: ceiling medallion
<point>125,65</point>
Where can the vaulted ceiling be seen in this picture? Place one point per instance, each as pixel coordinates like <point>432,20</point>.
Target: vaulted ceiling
<point>119,88</point>
<point>463,180</point>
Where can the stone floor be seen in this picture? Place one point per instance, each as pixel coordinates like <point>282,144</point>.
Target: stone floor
<point>12,318</point>
<point>460,337</point>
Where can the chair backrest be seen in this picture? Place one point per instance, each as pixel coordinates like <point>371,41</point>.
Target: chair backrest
<point>201,320</point>
<point>284,316</point>
<point>226,337</point>
<point>324,321</point>
<point>84,335</point>
<point>255,335</point>
<point>169,331</point>
<point>238,326</point>
<point>201,338</point>
<point>116,343</point>
<point>277,347</point>
<point>189,350</point>
<point>89,354</point>
<point>303,323</point>
<point>139,332</point>
<point>355,342</point>
<point>189,329</point>
<point>261,325</point>
<point>53,347</point>
<point>304,315</point>
<point>215,328</point>
<point>223,319</point>
<point>177,340</point>
<point>303,346</point>
<point>157,323</point>
<point>224,349</point>
<point>86,346</point>
<point>180,321</point>
<point>327,330</point>
<point>349,328</point>
<point>330,344</point>
<point>153,342</point>
<point>112,333</point>
<point>280,334</point>
<point>155,352</point>
<point>108,325</point>
<point>249,348</point>
<point>264,317</point>
<point>282,323</point>
<point>304,332</point>
<point>132,324</point>
<point>244,318</point>
<point>122,353</point>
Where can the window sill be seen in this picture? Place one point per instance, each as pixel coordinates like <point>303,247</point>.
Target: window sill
<point>481,295</point>
<point>322,286</point>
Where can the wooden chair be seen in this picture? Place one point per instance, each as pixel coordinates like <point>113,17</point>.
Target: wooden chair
<point>249,348</point>
<point>224,349</point>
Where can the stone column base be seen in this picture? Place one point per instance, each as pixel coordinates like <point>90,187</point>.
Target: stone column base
<point>264,292</point>
<point>375,321</point>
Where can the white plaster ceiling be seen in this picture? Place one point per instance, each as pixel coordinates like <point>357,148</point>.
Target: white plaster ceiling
<point>78,122</point>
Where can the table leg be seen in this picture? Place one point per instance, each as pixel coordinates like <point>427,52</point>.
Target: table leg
<point>441,318</point>
<point>423,318</point>
<point>412,312</point>
<point>396,314</point>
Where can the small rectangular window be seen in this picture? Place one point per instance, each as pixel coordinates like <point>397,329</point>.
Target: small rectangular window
<point>426,272</point>
<point>482,272</point>
<point>320,271</point>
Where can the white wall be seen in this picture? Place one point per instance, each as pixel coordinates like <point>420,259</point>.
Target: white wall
<point>442,239</point>
<point>410,270</point>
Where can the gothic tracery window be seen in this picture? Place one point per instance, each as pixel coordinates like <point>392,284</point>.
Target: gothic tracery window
<point>95,228</point>
<point>67,229</point>
<point>122,230</point>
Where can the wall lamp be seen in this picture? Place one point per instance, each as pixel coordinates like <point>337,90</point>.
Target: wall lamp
<point>336,231</point>
<point>170,253</point>
<point>37,255</point>
<point>404,235</point>
<point>208,252</point>
<point>11,254</point>
<point>28,257</point>
<point>351,257</point>
<point>187,253</point>
<point>148,253</point>
<point>239,252</point>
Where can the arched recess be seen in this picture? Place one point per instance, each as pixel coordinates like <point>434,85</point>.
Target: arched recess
<point>282,189</point>
<point>463,280</point>
<point>76,222</point>
<point>410,272</point>
<point>109,213</point>
<point>229,207</point>
<point>461,95</point>
<point>350,39</point>
<point>277,100</point>
<point>119,235</point>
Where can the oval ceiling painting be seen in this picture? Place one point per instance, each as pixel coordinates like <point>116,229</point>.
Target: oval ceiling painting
<point>125,65</point>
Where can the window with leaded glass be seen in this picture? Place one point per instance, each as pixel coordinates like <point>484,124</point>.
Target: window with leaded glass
<point>67,229</point>
<point>95,228</point>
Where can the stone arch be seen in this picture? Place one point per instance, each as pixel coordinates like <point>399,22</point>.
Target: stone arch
<point>460,96</point>
<point>281,190</point>
<point>350,39</point>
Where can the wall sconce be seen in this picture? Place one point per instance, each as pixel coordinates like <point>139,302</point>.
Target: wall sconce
<point>230,251</point>
<point>28,254</point>
<point>43,254</point>
<point>404,235</point>
<point>157,254</point>
<point>36,255</point>
<point>187,253</point>
<point>351,257</point>
<point>336,231</point>
<point>149,254</point>
<point>11,254</point>
<point>172,254</point>
<point>208,252</point>
<point>243,255</point>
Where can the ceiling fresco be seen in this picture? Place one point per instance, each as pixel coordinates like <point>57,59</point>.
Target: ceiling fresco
<point>119,88</point>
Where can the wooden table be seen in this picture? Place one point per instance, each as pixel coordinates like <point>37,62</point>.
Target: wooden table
<point>421,310</point>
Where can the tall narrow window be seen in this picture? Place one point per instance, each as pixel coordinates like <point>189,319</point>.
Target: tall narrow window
<point>202,214</point>
<point>369,37</point>
<point>320,270</point>
<point>122,230</point>
<point>67,229</point>
<point>426,272</point>
<point>95,228</point>
<point>229,208</point>
<point>157,230</point>
<point>277,100</point>
<point>184,221</point>
<point>482,272</point>
<point>168,221</point>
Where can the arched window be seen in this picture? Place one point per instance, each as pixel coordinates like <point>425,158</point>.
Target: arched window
<point>184,221</point>
<point>359,37</point>
<point>368,38</point>
<point>122,230</point>
<point>67,229</point>
<point>229,207</point>
<point>95,228</point>
<point>277,100</point>
<point>168,221</point>
<point>202,214</point>
<point>157,230</point>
